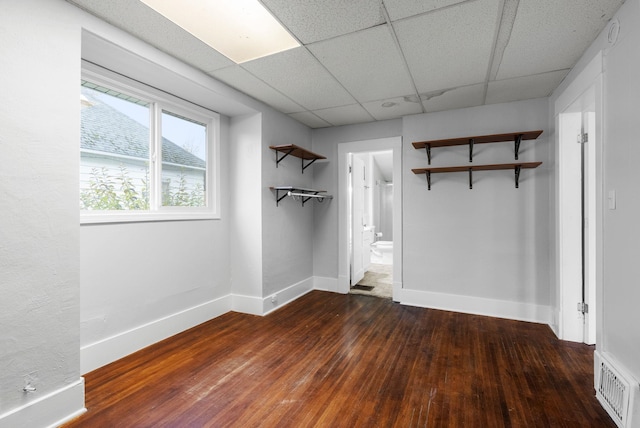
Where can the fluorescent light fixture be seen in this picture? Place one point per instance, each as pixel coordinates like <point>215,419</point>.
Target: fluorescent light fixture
<point>241,30</point>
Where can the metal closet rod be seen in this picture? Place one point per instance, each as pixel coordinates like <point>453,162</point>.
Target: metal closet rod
<point>307,195</point>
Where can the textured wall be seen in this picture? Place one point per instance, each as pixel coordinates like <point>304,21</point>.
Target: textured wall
<point>39,246</point>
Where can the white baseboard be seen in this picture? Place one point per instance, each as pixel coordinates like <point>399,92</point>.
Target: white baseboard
<point>476,305</point>
<point>555,327</point>
<point>324,283</point>
<point>50,410</point>
<point>246,304</point>
<point>105,351</point>
<point>115,347</point>
<point>396,291</point>
<point>264,305</point>
<point>286,295</point>
<point>343,284</point>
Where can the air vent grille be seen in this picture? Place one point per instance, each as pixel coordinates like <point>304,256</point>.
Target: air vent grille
<point>613,393</point>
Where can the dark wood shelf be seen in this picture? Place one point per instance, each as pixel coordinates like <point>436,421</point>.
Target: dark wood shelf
<point>298,152</point>
<point>516,166</point>
<point>516,137</point>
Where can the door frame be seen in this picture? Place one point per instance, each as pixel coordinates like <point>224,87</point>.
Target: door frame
<point>391,143</point>
<point>357,267</point>
<point>569,279</point>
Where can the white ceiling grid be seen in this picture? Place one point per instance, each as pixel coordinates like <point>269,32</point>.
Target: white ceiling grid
<point>555,34</point>
<point>449,47</point>
<point>366,60</point>
<point>367,63</point>
<point>297,74</point>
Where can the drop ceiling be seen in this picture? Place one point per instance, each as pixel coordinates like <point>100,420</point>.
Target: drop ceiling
<point>367,60</point>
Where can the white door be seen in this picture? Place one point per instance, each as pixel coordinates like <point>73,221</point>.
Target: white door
<point>357,220</point>
<point>578,219</point>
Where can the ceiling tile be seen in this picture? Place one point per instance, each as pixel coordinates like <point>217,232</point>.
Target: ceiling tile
<point>466,96</point>
<point>451,47</point>
<point>551,35</point>
<point>523,88</point>
<point>367,63</point>
<point>240,79</point>
<point>314,20</point>
<point>351,58</point>
<point>310,119</point>
<point>399,9</point>
<point>344,115</point>
<point>395,108</point>
<point>299,76</point>
<point>148,25</point>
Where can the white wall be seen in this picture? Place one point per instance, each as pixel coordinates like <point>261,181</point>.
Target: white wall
<point>621,226</point>
<point>246,235</point>
<point>618,316</point>
<point>481,250</point>
<point>39,234</point>
<point>135,274</point>
<point>287,228</point>
<point>386,211</point>
<point>376,202</point>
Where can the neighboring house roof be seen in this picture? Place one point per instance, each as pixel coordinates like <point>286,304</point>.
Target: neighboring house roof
<point>105,129</point>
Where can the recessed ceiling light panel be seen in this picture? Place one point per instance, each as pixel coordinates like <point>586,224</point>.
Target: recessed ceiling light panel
<point>241,30</point>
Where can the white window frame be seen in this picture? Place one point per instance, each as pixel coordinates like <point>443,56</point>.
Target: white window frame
<point>160,101</point>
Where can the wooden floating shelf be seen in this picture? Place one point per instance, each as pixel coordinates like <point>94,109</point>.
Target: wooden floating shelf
<point>303,194</point>
<point>298,152</point>
<point>516,137</point>
<point>516,166</point>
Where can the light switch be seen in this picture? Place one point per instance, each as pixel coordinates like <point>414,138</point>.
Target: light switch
<point>612,199</point>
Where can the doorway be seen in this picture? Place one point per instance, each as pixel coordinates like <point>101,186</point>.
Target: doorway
<point>357,232</point>
<point>371,223</point>
<point>579,201</point>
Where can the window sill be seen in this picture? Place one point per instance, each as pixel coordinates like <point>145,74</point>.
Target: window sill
<point>140,217</point>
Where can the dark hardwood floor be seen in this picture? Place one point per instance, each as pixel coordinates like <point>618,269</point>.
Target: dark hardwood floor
<point>331,360</point>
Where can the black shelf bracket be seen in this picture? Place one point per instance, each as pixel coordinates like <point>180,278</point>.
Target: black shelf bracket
<point>278,160</point>
<point>428,180</point>
<point>517,174</point>
<point>278,197</point>
<point>471,141</point>
<point>517,142</point>
<point>428,148</point>
<point>470,178</point>
<point>307,165</point>
<point>307,198</point>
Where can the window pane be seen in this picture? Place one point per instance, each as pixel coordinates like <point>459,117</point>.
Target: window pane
<point>114,150</point>
<point>184,166</point>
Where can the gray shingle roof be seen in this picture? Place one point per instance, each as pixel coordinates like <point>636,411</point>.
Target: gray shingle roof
<point>105,129</point>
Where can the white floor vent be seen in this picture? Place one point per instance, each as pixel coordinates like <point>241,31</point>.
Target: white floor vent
<point>612,390</point>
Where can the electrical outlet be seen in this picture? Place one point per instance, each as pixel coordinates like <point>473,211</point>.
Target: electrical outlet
<point>30,381</point>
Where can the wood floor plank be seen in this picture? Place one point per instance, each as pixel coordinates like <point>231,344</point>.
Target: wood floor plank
<point>331,360</point>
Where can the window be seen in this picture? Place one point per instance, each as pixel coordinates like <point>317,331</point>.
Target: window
<point>144,155</point>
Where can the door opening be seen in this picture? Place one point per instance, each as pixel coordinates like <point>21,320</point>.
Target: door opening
<point>371,231</point>
<point>376,227</point>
